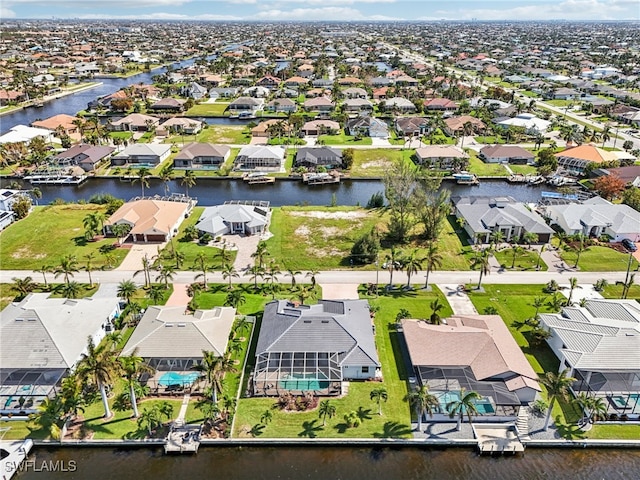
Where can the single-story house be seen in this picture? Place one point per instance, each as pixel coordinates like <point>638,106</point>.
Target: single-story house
<point>596,217</point>
<point>455,125</point>
<point>281,105</point>
<point>135,122</point>
<point>42,339</point>
<point>150,220</point>
<point>260,157</point>
<point>169,104</point>
<point>85,155</point>
<point>630,175</point>
<point>246,104</point>
<point>367,126</point>
<point>600,345</point>
<point>484,215</point>
<point>257,92</point>
<point>564,93</point>
<point>148,154</point>
<point>357,105</point>
<point>268,81</point>
<point>474,352</point>
<point>320,127</point>
<point>189,126</point>
<point>24,134</point>
<point>313,157</point>
<point>528,121</point>
<point>355,92</point>
<point>398,103</point>
<point>411,126</point>
<point>440,104</point>
<point>223,92</point>
<point>171,340</point>
<point>442,157</point>
<point>304,348</point>
<point>61,120</point>
<point>319,104</point>
<point>575,159</point>
<point>194,90</point>
<point>200,156</point>
<point>248,218</point>
<point>264,129</point>
<point>506,154</point>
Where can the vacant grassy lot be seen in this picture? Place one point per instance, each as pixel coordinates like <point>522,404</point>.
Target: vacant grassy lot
<point>343,139</point>
<point>482,169</point>
<point>599,259</point>
<point>375,162</point>
<point>48,234</point>
<point>525,260</point>
<point>523,169</point>
<point>217,109</point>
<point>225,134</point>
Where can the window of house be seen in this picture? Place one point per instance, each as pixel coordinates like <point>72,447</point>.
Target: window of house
<point>365,369</point>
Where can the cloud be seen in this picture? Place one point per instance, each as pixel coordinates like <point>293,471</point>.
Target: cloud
<point>6,13</point>
<point>92,4</point>
<point>325,13</point>
<point>160,16</point>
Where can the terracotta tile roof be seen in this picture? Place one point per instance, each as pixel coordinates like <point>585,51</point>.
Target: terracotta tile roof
<point>587,152</point>
<point>149,216</point>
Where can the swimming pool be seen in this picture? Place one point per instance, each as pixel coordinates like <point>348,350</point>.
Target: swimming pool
<point>483,406</point>
<point>175,378</point>
<point>303,382</point>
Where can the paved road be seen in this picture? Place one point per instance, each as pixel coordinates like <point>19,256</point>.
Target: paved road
<point>347,276</point>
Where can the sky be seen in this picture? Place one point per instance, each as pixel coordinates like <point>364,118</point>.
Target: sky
<point>323,10</point>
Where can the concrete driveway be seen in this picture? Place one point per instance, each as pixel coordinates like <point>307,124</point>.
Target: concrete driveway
<point>133,260</point>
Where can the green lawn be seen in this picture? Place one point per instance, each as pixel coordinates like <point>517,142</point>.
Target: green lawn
<point>489,140</point>
<point>526,260</point>
<point>524,169</point>
<point>208,110</point>
<point>49,233</point>
<point>599,259</point>
<point>615,291</point>
<point>395,418</point>
<point>343,139</point>
<point>375,162</point>
<point>191,249</point>
<point>229,134</point>
<point>482,169</point>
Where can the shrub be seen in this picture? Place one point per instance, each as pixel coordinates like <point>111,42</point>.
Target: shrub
<point>366,248</point>
<point>376,200</point>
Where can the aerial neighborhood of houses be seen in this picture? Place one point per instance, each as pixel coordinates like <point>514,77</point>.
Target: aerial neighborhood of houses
<point>489,285</point>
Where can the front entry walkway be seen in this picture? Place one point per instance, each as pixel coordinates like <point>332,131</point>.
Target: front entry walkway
<point>458,299</point>
<point>337,291</point>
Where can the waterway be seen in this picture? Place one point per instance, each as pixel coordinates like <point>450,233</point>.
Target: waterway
<point>335,463</point>
<point>213,191</point>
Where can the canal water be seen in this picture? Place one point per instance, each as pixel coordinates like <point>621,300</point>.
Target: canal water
<point>330,463</point>
<point>212,191</point>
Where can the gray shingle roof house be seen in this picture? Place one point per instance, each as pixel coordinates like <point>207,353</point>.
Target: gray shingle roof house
<point>595,217</point>
<point>600,344</point>
<point>442,156</point>
<point>260,157</point>
<point>170,339</point>
<point>506,154</point>
<point>246,104</point>
<point>85,155</point>
<point>201,156</point>
<point>142,153</point>
<point>234,218</point>
<point>411,125</point>
<point>313,157</point>
<point>314,347</point>
<point>484,215</point>
<point>367,126</point>
<point>42,338</point>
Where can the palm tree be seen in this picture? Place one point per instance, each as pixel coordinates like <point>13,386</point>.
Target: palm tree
<point>556,302</point>
<point>312,274</point>
<point>90,224</point>
<point>422,402</point>
<point>146,270</point>
<point>188,180</point>
<point>557,386</point>
<point>256,271</point>
<point>44,269</point>
<point>89,257</point>
<point>156,294</point>
<point>120,230</point>
<point>50,417</point>
<point>133,366</point>
<point>436,306</point>
<point>23,286</point>
<point>214,369</point>
<point>292,273</point>
<point>412,264</point>
<point>464,404</point>
<point>68,266</point>
<point>539,257</point>
<point>71,289</point>
<point>127,289</point>
<point>515,251</point>
<point>303,293</point>
<point>579,249</point>
<point>166,174</point>
<point>378,395</point>
<point>326,409</point>
<point>496,237</point>
<point>260,253</point>
<point>201,263</point>
<point>529,238</point>
<point>433,261</point>
<point>229,272</point>
<point>482,261</point>
<point>573,284</point>
<point>538,302</point>
<point>100,365</point>
<point>391,260</point>
<point>235,298</point>
<point>266,417</point>
<point>604,135</point>
<point>165,274</point>
<point>143,174</point>
<point>626,286</point>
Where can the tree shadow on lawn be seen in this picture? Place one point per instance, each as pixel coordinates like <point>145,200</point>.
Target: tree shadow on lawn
<point>570,431</point>
<point>341,427</point>
<point>364,414</point>
<point>400,355</point>
<point>310,429</point>
<point>459,232</point>
<point>80,241</point>
<point>401,292</point>
<point>393,430</point>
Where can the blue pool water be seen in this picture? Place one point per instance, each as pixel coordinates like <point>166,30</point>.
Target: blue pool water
<point>484,407</point>
<point>302,383</point>
<point>175,378</point>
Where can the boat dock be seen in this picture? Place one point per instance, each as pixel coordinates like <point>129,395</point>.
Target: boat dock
<point>55,179</point>
<point>498,438</point>
<point>258,178</point>
<point>321,178</point>
<point>183,438</point>
<point>465,178</point>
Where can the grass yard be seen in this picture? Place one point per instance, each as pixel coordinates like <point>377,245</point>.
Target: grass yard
<point>191,249</point>
<point>599,259</point>
<point>482,169</point>
<point>524,169</point>
<point>395,418</point>
<point>343,139</point>
<point>526,260</point>
<point>225,134</point>
<point>615,292</point>
<point>217,109</point>
<point>48,234</point>
<point>375,162</point>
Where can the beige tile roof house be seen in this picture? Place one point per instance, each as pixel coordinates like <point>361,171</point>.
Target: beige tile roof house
<point>476,352</point>
<point>150,220</point>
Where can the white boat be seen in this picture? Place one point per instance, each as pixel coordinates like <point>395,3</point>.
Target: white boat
<point>12,454</point>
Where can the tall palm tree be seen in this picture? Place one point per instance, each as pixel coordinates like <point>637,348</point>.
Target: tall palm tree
<point>201,262</point>
<point>146,270</point>
<point>133,366</point>
<point>165,274</point>
<point>256,271</point>
<point>482,261</point>
<point>515,251</point>
<point>465,404</point>
<point>188,180</point>
<point>166,174</point>
<point>127,289</point>
<point>156,294</point>
<point>44,269</point>
<point>326,409</point>
<point>529,238</point>
<point>626,286</point>
<point>573,284</point>
<point>229,272</point>
<point>557,386</point>
<point>23,286</point>
<point>292,273</point>
<point>391,259</point>
<point>538,303</point>
<point>260,254</point>
<point>605,134</point>
<point>143,177</point>
<point>67,267</point>
<point>379,395</point>
<point>88,266</point>
<point>422,402</point>
<point>312,274</point>
<point>70,289</point>
<point>214,369</point>
<point>540,252</point>
<point>412,264</point>
<point>433,261</point>
<point>100,365</point>
<point>581,247</point>
<point>235,298</point>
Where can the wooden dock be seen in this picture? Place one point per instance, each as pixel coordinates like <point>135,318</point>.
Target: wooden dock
<point>321,178</point>
<point>498,438</point>
<point>258,178</point>
<point>183,439</point>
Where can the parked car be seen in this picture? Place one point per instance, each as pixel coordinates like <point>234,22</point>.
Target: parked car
<point>629,245</point>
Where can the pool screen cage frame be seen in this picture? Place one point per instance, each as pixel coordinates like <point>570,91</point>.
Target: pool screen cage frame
<point>272,368</point>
